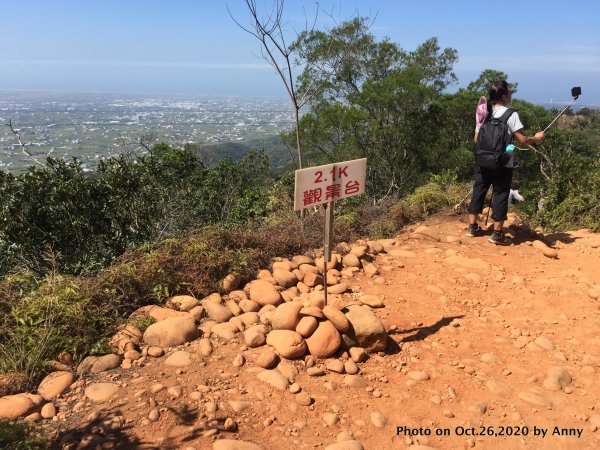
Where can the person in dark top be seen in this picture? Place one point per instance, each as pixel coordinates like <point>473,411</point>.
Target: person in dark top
<point>500,97</point>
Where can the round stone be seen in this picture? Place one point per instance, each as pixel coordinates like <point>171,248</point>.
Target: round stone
<point>325,341</point>
<point>288,344</point>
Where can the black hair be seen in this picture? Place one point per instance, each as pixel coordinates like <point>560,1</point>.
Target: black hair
<point>497,90</point>
<point>495,93</point>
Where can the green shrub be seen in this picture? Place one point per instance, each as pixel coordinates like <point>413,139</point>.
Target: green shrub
<point>21,436</point>
<point>440,193</point>
<point>363,219</point>
<point>84,221</point>
<point>57,316</point>
<point>571,196</point>
<point>383,228</point>
<point>574,212</point>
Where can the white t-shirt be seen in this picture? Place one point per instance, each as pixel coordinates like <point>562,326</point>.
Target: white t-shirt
<point>514,124</point>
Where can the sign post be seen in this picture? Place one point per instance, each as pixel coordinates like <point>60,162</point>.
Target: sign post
<point>327,244</point>
<point>323,185</point>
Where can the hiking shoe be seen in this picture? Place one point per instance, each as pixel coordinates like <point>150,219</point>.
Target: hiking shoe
<point>475,230</point>
<point>498,238</point>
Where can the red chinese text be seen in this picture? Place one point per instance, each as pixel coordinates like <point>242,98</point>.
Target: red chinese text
<point>312,196</point>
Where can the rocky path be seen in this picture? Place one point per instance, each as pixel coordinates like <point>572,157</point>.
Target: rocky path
<point>487,347</point>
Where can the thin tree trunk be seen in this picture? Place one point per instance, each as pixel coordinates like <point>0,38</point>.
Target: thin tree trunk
<point>298,141</point>
<point>299,145</point>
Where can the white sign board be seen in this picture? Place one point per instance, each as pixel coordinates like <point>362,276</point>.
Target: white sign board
<point>328,183</point>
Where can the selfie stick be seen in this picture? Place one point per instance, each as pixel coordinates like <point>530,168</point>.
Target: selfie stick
<point>575,92</point>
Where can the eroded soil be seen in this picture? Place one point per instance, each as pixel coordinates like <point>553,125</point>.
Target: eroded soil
<point>474,332</point>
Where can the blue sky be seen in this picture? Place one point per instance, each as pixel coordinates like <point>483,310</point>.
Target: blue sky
<point>193,47</point>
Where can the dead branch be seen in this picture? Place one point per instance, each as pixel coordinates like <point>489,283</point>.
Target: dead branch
<point>546,158</point>
<point>270,32</point>
<point>22,144</point>
<point>289,149</point>
<point>145,141</point>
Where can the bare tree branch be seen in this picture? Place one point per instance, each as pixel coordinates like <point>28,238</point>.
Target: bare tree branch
<point>289,149</point>
<point>546,158</point>
<point>145,141</point>
<point>22,144</point>
<point>270,32</point>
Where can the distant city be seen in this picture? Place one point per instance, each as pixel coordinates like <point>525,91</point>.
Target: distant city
<point>93,127</point>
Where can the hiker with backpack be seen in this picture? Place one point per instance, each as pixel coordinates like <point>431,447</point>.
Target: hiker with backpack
<point>494,164</point>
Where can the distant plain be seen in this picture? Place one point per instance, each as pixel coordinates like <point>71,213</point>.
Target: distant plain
<point>92,127</point>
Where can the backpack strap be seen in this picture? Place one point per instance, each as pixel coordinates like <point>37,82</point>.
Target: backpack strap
<point>504,117</point>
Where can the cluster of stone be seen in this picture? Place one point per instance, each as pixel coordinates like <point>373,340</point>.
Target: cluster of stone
<point>283,308</point>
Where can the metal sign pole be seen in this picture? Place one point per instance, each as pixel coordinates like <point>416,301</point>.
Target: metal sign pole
<point>327,245</point>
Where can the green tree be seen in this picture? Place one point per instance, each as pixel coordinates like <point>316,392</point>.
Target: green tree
<point>586,112</point>
<point>482,84</point>
<point>454,147</point>
<point>381,105</point>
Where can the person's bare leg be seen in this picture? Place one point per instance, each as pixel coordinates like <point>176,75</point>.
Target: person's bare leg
<point>474,228</point>
<point>497,236</point>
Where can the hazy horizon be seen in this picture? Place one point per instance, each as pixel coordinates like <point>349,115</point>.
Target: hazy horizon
<point>31,93</point>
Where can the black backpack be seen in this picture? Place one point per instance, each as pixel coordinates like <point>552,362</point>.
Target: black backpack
<point>493,137</point>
